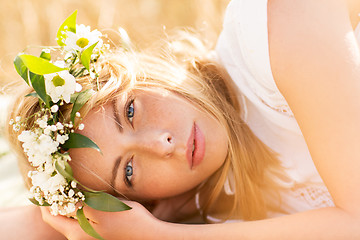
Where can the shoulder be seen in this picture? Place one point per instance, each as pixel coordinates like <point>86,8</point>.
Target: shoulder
<point>301,30</point>
<point>306,37</point>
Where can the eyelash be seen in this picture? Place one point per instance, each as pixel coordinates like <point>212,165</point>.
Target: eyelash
<point>129,105</point>
<point>127,109</point>
<point>127,180</point>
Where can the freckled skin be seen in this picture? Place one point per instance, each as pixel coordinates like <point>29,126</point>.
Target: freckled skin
<point>156,142</point>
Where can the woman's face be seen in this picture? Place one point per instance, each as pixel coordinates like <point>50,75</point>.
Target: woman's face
<point>155,144</point>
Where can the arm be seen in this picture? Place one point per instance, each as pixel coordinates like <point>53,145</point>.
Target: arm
<point>25,223</point>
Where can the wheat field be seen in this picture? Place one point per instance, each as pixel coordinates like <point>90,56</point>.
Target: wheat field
<point>35,22</point>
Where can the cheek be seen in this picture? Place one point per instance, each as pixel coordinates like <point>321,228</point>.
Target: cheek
<point>163,182</point>
<point>158,111</point>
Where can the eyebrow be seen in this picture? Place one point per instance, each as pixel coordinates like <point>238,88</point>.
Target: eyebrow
<point>117,116</point>
<point>115,170</point>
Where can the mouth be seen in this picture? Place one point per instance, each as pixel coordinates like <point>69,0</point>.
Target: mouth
<point>195,147</point>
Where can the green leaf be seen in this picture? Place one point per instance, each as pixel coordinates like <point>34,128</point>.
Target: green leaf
<point>74,96</point>
<point>34,94</point>
<point>86,56</point>
<point>45,55</point>
<point>68,25</point>
<point>21,68</point>
<point>79,101</point>
<point>39,65</point>
<point>38,83</point>
<point>77,140</point>
<point>68,169</point>
<point>85,225</point>
<point>34,201</point>
<point>63,172</point>
<point>104,202</point>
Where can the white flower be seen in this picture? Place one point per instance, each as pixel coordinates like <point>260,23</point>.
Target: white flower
<point>82,39</point>
<point>49,167</point>
<point>46,145</point>
<point>81,126</point>
<point>47,130</point>
<point>42,123</point>
<point>54,108</point>
<point>39,179</point>
<point>17,119</point>
<point>62,138</point>
<point>54,183</point>
<point>54,209</point>
<point>59,126</point>
<point>78,87</point>
<point>70,208</point>
<point>39,159</point>
<point>27,136</point>
<point>71,193</point>
<point>73,184</point>
<point>77,114</point>
<point>60,85</point>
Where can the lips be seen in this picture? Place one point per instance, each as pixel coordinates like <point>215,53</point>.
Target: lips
<point>195,147</point>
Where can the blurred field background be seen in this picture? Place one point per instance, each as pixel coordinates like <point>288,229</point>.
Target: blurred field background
<point>35,22</point>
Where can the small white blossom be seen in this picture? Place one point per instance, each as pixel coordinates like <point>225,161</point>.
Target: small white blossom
<point>54,108</point>
<point>54,209</point>
<point>11,122</point>
<point>53,128</point>
<point>81,126</point>
<point>62,138</point>
<point>73,184</point>
<point>18,119</point>
<point>42,123</point>
<point>54,183</point>
<point>71,193</point>
<point>16,127</point>
<point>77,114</point>
<point>39,179</point>
<point>92,75</point>
<point>70,208</point>
<point>78,87</point>
<point>47,130</point>
<point>59,126</point>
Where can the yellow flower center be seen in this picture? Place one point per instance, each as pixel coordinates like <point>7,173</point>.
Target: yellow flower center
<point>82,42</point>
<point>58,81</point>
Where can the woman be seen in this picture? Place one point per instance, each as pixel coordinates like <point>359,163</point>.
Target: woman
<point>311,46</point>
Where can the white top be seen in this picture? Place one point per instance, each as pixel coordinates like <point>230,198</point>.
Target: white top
<point>243,49</point>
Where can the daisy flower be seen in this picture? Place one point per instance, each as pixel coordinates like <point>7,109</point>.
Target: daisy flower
<point>82,39</point>
<point>60,85</point>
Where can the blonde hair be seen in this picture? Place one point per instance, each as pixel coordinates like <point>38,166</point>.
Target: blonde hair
<point>182,65</point>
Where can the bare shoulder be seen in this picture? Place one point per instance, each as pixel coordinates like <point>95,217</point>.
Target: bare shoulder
<point>302,32</point>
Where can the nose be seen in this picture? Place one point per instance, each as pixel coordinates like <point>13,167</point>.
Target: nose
<point>159,143</point>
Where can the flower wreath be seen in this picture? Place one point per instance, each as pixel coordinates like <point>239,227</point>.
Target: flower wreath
<point>47,141</point>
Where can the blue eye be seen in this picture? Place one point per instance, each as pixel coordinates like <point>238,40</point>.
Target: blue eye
<point>128,172</point>
<point>130,111</point>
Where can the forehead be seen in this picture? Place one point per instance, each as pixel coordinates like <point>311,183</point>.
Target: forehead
<point>90,167</point>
